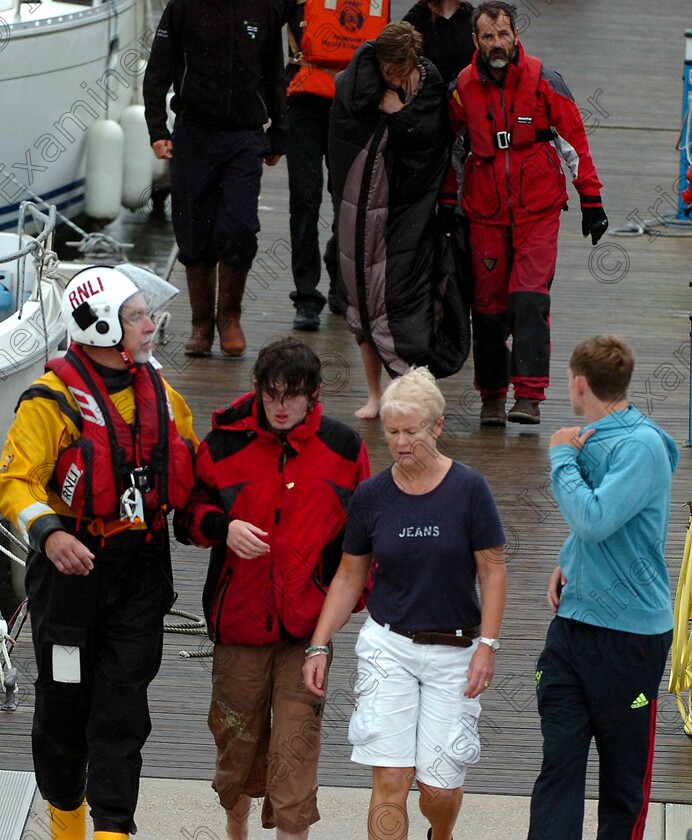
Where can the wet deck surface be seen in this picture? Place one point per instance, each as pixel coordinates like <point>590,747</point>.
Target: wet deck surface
<point>624,65</point>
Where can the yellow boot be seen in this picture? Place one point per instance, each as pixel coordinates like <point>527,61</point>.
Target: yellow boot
<point>110,835</point>
<point>68,825</point>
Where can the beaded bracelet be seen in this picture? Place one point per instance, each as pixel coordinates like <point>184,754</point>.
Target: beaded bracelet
<point>316,650</point>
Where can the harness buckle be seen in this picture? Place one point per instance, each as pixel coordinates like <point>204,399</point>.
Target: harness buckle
<point>141,478</point>
<point>503,139</point>
<point>132,506</point>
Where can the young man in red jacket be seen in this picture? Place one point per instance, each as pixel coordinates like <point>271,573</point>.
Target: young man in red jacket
<point>274,479</point>
<point>515,115</point>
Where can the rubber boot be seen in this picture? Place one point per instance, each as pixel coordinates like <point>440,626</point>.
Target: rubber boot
<point>201,287</point>
<point>110,835</point>
<point>68,825</point>
<point>228,309</point>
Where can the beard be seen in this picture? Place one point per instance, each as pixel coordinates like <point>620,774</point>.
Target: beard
<point>499,58</point>
<point>142,356</point>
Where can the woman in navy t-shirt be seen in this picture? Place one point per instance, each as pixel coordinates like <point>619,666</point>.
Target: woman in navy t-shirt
<point>429,529</point>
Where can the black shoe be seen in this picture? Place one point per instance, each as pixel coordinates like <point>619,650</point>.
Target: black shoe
<point>524,410</point>
<point>306,320</point>
<point>336,307</point>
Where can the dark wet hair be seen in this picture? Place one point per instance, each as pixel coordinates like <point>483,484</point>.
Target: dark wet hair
<point>288,367</point>
<point>493,9</point>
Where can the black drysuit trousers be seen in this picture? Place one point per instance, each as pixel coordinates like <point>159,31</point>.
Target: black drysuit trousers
<point>98,642</point>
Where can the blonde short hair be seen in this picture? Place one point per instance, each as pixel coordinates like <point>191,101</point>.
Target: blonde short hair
<point>416,390</point>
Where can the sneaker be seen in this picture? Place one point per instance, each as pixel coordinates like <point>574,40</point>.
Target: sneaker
<point>493,412</point>
<point>306,320</point>
<point>524,410</point>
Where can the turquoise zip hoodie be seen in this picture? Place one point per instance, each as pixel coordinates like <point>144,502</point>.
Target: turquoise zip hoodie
<point>615,496</point>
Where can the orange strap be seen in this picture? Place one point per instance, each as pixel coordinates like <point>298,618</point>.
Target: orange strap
<point>102,528</point>
<point>298,59</point>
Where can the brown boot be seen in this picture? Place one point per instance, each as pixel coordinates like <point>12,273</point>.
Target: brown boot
<point>524,410</point>
<point>493,412</point>
<point>228,309</point>
<point>201,287</point>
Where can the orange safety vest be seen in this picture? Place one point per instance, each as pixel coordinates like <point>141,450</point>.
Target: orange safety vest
<point>331,32</point>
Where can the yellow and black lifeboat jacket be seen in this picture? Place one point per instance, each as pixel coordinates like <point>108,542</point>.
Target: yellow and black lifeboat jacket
<point>323,35</point>
<point>72,447</point>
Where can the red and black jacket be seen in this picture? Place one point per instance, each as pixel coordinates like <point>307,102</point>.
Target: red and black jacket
<point>515,129</point>
<point>94,472</point>
<point>296,487</point>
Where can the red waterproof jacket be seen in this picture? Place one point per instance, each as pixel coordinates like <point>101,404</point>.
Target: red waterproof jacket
<point>513,172</point>
<point>294,486</point>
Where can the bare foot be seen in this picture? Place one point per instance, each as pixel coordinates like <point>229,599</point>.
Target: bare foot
<point>370,411</point>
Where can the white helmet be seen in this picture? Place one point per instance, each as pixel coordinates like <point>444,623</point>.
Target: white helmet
<point>93,298</point>
<point>91,305</point>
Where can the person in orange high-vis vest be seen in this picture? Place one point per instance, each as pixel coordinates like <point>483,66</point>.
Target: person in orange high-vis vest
<point>323,35</point>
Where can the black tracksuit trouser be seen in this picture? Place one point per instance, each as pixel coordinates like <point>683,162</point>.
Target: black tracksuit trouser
<point>307,151</point>
<point>593,682</point>
<point>98,643</point>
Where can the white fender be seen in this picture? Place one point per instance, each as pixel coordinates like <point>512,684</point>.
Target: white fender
<point>138,158</point>
<point>158,168</point>
<point>104,169</point>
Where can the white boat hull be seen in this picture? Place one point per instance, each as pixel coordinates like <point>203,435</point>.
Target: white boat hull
<point>23,343</point>
<point>58,75</point>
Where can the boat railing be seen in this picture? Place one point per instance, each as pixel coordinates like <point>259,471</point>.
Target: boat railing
<point>33,4</point>
<point>38,246</point>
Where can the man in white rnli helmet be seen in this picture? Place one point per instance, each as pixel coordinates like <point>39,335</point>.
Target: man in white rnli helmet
<point>101,449</point>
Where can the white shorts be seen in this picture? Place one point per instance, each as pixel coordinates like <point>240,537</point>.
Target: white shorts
<point>410,707</point>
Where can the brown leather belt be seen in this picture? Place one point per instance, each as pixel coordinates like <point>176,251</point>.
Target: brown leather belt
<point>456,638</point>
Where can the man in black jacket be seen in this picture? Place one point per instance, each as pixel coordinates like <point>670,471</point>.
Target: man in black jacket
<point>225,62</point>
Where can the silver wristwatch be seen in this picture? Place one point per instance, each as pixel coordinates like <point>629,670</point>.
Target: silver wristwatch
<point>493,644</point>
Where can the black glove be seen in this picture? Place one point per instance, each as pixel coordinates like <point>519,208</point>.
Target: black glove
<point>446,218</point>
<point>593,217</point>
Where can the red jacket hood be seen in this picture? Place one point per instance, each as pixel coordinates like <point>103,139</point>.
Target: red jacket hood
<point>242,416</point>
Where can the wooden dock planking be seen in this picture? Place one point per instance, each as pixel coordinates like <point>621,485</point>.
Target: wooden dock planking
<point>640,290</point>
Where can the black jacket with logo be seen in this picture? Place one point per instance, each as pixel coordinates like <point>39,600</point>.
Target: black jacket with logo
<point>225,61</point>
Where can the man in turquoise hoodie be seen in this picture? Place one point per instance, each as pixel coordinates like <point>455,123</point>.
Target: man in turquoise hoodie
<point>599,674</point>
